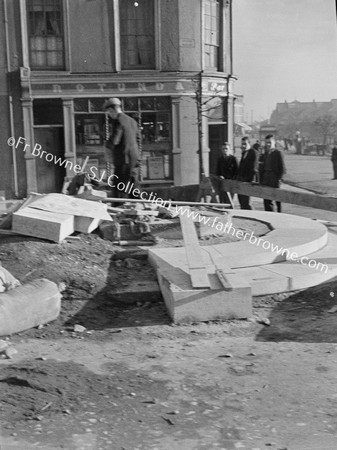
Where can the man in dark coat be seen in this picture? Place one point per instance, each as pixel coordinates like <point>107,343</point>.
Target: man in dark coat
<point>227,168</point>
<point>272,170</point>
<point>123,144</point>
<point>248,169</point>
<point>334,162</point>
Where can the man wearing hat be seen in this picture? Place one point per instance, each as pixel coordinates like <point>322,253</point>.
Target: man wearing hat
<point>123,144</point>
<point>227,168</point>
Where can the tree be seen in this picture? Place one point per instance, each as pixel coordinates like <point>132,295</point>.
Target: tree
<point>327,126</point>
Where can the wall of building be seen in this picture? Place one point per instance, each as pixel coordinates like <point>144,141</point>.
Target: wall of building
<point>190,35</point>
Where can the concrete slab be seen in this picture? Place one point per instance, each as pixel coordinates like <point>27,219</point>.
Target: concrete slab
<point>251,269</point>
<point>185,304</point>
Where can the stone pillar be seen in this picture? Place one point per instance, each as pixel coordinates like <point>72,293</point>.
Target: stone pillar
<point>176,141</point>
<point>230,120</point>
<point>69,134</point>
<point>187,161</point>
<point>27,113</point>
<point>205,144</point>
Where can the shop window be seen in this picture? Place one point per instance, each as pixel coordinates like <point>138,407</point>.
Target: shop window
<point>153,114</point>
<point>137,34</point>
<point>90,129</point>
<point>45,34</point>
<point>212,34</point>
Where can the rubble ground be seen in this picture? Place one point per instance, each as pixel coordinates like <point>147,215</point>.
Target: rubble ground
<point>111,374</point>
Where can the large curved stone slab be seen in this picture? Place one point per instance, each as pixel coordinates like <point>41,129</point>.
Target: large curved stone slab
<point>254,270</point>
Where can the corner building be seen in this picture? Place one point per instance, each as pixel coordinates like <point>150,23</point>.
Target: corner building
<point>66,57</point>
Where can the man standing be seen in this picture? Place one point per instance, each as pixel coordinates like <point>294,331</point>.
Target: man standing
<point>334,161</point>
<point>122,146</point>
<point>248,169</point>
<point>227,168</point>
<point>272,170</point>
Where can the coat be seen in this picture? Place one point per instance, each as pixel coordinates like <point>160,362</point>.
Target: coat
<point>273,168</point>
<point>334,155</point>
<point>249,165</point>
<point>227,167</point>
<point>124,142</point>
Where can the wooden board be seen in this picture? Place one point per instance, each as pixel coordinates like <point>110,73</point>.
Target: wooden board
<point>198,273</point>
<point>43,224</point>
<point>281,195</point>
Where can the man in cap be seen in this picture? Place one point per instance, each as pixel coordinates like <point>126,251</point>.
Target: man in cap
<point>123,144</point>
<point>272,171</point>
<point>227,168</point>
<point>248,169</point>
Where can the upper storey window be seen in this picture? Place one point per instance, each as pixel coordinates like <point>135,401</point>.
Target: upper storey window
<point>45,34</point>
<point>212,34</point>
<point>137,34</point>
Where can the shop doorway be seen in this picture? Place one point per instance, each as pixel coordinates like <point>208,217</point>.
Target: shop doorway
<point>216,137</point>
<point>50,176</point>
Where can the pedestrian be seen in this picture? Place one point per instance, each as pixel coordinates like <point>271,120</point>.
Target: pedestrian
<point>248,169</point>
<point>123,146</point>
<point>257,148</point>
<point>272,170</point>
<point>227,169</point>
<point>334,161</point>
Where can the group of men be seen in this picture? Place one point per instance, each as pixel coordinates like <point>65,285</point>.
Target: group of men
<point>265,166</point>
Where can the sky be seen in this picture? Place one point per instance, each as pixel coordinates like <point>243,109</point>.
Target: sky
<point>284,50</point>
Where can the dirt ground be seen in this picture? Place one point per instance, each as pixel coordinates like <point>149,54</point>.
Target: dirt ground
<point>133,380</point>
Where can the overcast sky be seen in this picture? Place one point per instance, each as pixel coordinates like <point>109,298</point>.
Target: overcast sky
<point>284,50</point>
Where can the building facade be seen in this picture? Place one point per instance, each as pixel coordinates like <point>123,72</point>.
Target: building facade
<point>300,118</point>
<point>64,58</point>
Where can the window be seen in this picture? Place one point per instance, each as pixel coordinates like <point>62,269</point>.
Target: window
<point>153,115</point>
<point>137,34</point>
<point>45,34</point>
<point>212,34</point>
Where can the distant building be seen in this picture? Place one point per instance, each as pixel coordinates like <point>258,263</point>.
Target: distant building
<point>63,58</point>
<point>291,117</point>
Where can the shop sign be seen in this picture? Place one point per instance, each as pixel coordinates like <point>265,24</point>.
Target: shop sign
<point>110,89</point>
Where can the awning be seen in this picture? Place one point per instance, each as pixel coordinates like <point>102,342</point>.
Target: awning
<point>244,126</point>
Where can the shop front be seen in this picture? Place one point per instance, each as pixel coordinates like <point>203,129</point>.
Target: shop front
<point>64,115</point>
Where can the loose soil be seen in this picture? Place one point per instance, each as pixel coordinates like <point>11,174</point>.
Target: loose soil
<point>133,380</point>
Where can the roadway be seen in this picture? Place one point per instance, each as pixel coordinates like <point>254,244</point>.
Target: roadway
<point>306,173</point>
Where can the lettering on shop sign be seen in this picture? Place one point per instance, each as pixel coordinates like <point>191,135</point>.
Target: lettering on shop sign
<point>139,87</point>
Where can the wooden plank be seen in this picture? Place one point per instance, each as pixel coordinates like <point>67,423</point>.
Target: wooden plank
<point>198,273</point>
<point>43,224</point>
<point>281,195</point>
<point>222,269</point>
<point>140,212</point>
<point>168,202</point>
<point>223,280</point>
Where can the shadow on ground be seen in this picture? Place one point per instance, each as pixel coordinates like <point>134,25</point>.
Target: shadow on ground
<point>305,316</point>
<point>128,308</point>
